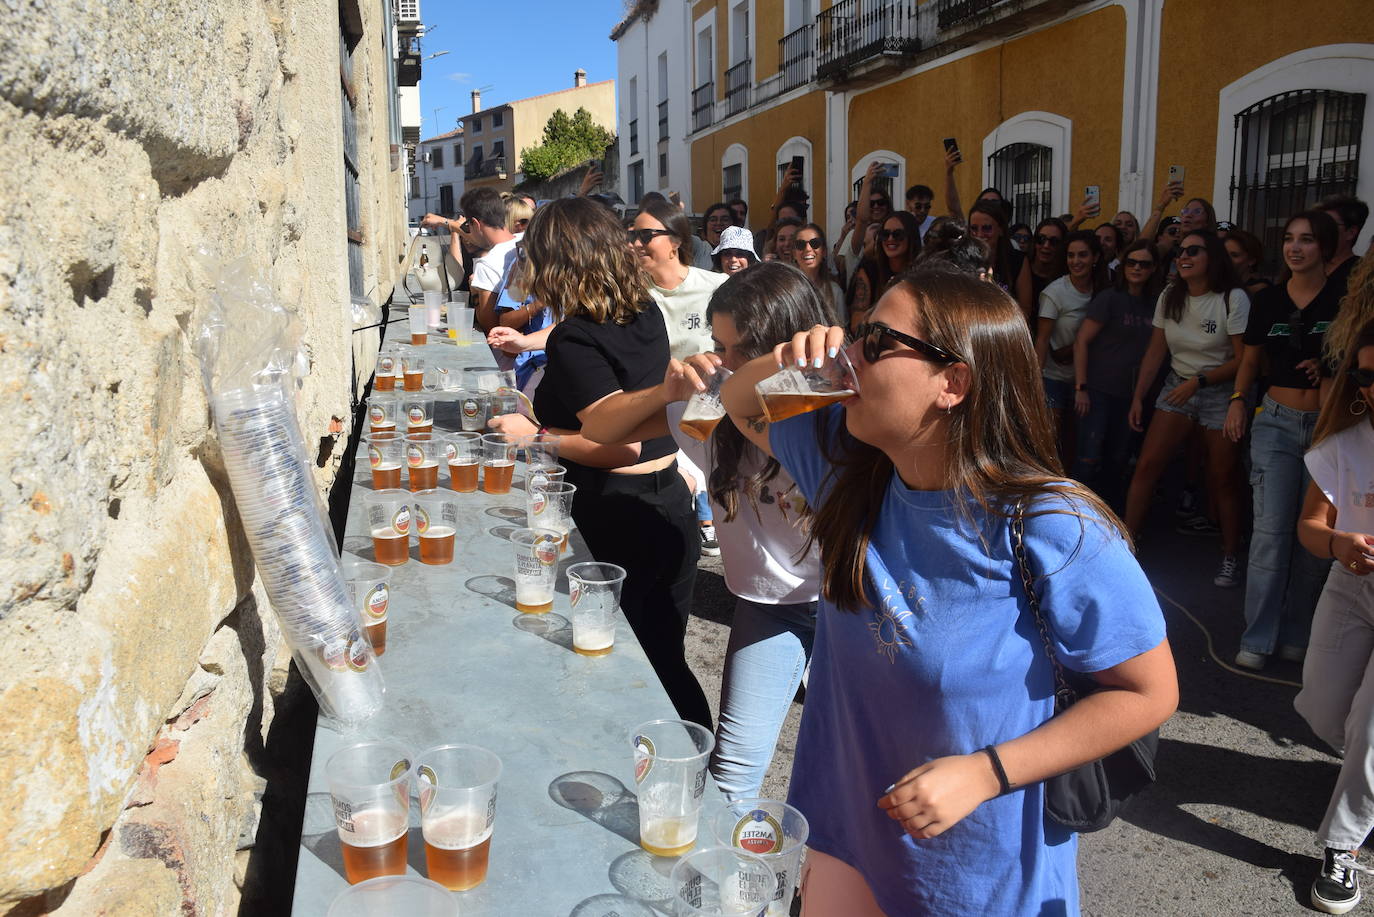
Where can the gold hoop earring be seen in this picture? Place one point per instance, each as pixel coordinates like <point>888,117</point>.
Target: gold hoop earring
<point>1360,403</point>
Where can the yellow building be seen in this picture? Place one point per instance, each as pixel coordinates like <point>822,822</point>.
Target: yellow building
<point>1262,103</point>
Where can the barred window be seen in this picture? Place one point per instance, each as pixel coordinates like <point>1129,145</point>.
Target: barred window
<point>1022,172</point>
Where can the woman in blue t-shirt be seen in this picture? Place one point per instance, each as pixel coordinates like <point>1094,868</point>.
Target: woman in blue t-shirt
<point>929,724</point>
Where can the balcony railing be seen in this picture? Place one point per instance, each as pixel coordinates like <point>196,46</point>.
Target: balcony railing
<point>958,12</point>
<point>703,106</point>
<point>485,168</point>
<point>852,33</point>
<point>797,57</point>
<point>737,83</point>
<point>634,136</point>
<point>663,121</point>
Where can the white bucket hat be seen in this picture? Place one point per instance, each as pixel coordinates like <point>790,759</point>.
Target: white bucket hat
<point>736,237</point>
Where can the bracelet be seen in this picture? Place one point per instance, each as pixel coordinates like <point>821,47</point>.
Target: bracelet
<point>1237,396</point>
<point>1002,781</point>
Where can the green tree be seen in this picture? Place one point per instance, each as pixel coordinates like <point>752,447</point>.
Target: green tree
<point>567,142</point>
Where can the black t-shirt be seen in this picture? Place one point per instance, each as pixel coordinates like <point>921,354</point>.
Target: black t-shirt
<point>1290,335</point>
<point>1116,351</point>
<point>1340,277</point>
<point>589,360</point>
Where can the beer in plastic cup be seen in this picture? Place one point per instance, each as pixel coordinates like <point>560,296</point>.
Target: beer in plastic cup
<point>381,413</point>
<point>670,771</point>
<point>369,784</point>
<point>771,830</point>
<point>536,567</point>
<point>436,522</point>
<point>371,585</point>
<point>704,409</point>
<point>472,410</point>
<point>550,507</point>
<point>385,456</point>
<point>388,367</point>
<point>388,518</point>
<point>721,882</point>
<point>464,454</point>
<point>537,476</point>
<point>457,786</point>
<point>413,371</point>
<point>460,321</point>
<point>498,463</point>
<point>594,596</point>
<point>434,304</point>
<point>796,390</point>
<point>409,895</point>
<point>418,411</point>
<point>419,327</point>
<point>541,448</point>
<point>424,455</point>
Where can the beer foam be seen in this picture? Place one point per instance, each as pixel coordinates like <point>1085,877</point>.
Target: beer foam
<point>457,829</point>
<point>375,827</point>
<point>439,531</point>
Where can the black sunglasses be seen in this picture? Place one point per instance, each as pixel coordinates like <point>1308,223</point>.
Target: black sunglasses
<point>872,334</point>
<point>817,244</point>
<point>1042,239</point>
<point>1136,262</point>
<point>896,235</point>
<point>1364,378</point>
<point>1192,251</point>
<point>645,236</point>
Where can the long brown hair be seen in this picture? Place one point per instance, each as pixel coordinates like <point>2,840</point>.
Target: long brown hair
<point>1003,448</point>
<point>578,263</point>
<point>673,220</point>
<point>1221,275</point>
<point>1339,411</point>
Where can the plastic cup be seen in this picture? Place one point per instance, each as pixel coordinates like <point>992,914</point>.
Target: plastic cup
<point>457,786</point>
<point>670,770</point>
<point>418,412</point>
<point>388,518</point>
<point>771,830</point>
<point>541,448</point>
<point>371,587</point>
<point>464,454</point>
<point>550,507</point>
<point>704,409</point>
<point>460,321</point>
<point>381,413</point>
<point>436,522</point>
<point>387,896</point>
<point>721,882</point>
<point>537,476</point>
<point>413,368</point>
<point>388,368</point>
<point>445,379</point>
<point>472,410</point>
<point>594,595</point>
<point>385,456</point>
<point>489,379</point>
<point>498,463</point>
<point>419,326</point>
<point>369,784</point>
<point>504,401</point>
<point>796,390</point>
<point>424,455</point>
<point>434,304</point>
<point>536,567</point>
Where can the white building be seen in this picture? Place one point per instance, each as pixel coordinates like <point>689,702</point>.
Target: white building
<point>437,185</point>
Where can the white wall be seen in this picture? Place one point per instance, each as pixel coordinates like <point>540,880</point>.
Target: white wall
<point>431,178</point>
<point>637,54</point>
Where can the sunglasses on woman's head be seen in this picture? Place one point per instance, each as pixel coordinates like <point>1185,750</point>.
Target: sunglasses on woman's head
<point>645,236</point>
<point>1364,378</point>
<point>1192,251</point>
<point>896,235</point>
<point>817,244</point>
<point>1042,239</point>
<point>872,334</point>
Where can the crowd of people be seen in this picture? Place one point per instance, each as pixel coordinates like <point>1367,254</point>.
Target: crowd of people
<point>1020,392</point>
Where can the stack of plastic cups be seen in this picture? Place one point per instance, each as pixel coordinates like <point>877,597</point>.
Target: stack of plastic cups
<point>264,455</point>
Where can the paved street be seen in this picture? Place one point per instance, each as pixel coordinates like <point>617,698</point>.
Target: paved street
<point>1228,829</point>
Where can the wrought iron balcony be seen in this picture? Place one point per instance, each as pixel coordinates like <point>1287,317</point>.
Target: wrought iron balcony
<point>490,167</point>
<point>967,21</point>
<point>663,121</point>
<point>797,57</point>
<point>860,41</point>
<point>703,106</point>
<point>737,85</point>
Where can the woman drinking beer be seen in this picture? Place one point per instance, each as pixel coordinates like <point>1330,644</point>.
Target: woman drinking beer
<point>931,696</point>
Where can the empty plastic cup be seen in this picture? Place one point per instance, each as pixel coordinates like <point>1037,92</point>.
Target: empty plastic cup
<point>550,507</point>
<point>536,567</point>
<point>388,896</point>
<point>670,769</point>
<point>460,322</point>
<point>434,304</point>
<point>720,882</point>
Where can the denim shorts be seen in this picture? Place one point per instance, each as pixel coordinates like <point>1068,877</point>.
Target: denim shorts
<point>1058,393</point>
<point>1207,407</point>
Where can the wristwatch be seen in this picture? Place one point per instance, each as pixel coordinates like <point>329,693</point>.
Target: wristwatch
<point>1201,380</point>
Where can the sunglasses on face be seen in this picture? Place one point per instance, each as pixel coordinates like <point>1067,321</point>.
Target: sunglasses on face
<point>1364,378</point>
<point>1022,237</point>
<point>1138,263</point>
<point>1042,239</point>
<point>984,230</point>
<point>645,236</point>
<point>879,202</point>
<point>1192,211</point>
<point>896,235</point>
<point>872,334</point>
<point>1171,231</point>
<point>1192,251</point>
<point>817,244</point>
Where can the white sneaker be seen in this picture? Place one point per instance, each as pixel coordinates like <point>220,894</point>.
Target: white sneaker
<point>1248,660</point>
<point>709,546</point>
<point>1228,574</point>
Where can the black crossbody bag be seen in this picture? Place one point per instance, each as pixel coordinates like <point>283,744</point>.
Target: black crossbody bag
<point>1089,797</point>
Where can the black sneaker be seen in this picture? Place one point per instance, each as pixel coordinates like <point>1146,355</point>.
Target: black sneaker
<point>1187,504</point>
<point>1197,525</point>
<point>1337,888</point>
<point>709,546</point>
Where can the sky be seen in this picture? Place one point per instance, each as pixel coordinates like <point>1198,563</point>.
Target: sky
<point>510,49</point>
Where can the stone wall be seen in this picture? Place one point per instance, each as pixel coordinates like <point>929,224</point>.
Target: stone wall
<point>142,662</point>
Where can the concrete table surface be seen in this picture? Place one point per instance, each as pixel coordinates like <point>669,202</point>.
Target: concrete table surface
<point>462,665</point>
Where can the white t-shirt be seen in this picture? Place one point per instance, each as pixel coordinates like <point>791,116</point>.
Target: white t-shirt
<point>1063,302</point>
<point>757,549</point>
<point>1200,339</point>
<point>488,270</point>
<point>684,311</point>
<point>1342,467</point>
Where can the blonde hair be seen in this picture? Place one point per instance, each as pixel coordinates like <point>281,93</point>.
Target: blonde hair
<point>517,208</point>
<point>578,262</point>
<point>1356,310</point>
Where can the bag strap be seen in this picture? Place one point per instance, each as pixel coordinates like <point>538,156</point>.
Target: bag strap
<point>1064,696</point>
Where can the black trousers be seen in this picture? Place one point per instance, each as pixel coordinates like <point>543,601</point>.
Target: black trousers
<point>647,524</point>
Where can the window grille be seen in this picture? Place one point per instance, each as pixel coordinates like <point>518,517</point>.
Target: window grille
<point>1022,172</point>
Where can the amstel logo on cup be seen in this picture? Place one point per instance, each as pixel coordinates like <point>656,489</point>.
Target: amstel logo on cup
<point>374,455</point>
<point>334,655</point>
<point>414,455</point>
<point>401,521</point>
<point>400,790</point>
<point>376,414</point>
<point>386,366</point>
<point>377,601</point>
<point>538,501</point>
<point>470,407</point>
<point>421,520</point>
<point>450,451</point>
<point>359,652</point>
<point>574,592</point>
<point>644,757</point>
<point>757,832</point>
<point>416,414</point>
<point>429,785</point>
<point>546,550</point>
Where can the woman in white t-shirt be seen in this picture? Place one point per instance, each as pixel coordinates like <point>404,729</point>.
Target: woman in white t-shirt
<point>1200,324</point>
<point>1062,307</point>
<point>662,238</point>
<point>1337,697</point>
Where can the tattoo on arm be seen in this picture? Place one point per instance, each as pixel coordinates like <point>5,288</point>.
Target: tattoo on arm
<point>757,423</point>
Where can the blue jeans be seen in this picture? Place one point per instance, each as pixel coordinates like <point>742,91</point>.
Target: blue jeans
<point>767,654</point>
<point>1104,445</point>
<point>1283,581</point>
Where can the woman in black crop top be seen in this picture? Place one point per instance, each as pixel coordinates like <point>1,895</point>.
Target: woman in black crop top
<point>1287,323</point>
<point>631,505</point>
